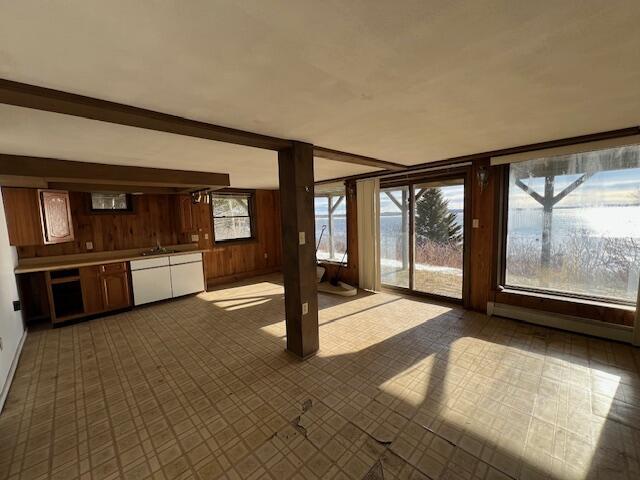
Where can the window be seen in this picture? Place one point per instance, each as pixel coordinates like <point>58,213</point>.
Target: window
<point>573,225</point>
<point>232,216</point>
<point>331,224</point>
<point>110,202</point>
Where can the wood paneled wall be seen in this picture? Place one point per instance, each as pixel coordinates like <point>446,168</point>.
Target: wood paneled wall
<point>228,262</point>
<point>152,220</point>
<point>156,218</point>
<point>482,249</point>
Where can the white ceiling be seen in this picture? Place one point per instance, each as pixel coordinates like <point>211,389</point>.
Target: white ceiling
<point>43,134</point>
<point>411,81</point>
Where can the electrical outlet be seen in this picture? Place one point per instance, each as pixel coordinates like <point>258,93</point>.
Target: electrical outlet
<point>475,223</point>
<point>206,236</point>
<point>302,238</point>
<point>305,308</point>
<point>266,255</point>
<point>195,237</point>
<point>89,245</point>
<point>16,306</point>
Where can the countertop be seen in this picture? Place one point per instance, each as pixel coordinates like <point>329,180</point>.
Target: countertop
<point>61,262</point>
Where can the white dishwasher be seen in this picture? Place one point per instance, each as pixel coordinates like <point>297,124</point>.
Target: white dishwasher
<point>151,279</point>
<point>187,275</point>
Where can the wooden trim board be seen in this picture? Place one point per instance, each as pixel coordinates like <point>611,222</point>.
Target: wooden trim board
<point>335,155</point>
<point>67,171</point>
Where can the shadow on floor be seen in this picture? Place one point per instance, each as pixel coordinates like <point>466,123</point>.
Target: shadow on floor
<point>555,453</point>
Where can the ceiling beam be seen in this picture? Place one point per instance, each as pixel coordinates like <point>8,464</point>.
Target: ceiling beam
<point>53,170</point>
<point>345,157</point>
<point>99,187</point>
<point>49,100</point>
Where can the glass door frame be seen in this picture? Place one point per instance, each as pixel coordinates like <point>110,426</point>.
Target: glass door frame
<point>463,174</point>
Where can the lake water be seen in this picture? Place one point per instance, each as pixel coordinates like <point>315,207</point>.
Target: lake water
<point>610,222</point>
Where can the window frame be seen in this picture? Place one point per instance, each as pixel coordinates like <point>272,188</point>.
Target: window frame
<point>451,173</point>
<point>329,229</point>
<point>251,214</point>
<point>500,282</point>
<point>119,211</point>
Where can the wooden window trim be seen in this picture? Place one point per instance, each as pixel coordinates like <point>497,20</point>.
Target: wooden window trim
<point>251,194</point>
<point>588,309</point>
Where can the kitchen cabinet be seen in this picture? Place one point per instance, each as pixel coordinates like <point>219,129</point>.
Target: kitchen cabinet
<point>151,279</point>
<point>114,280</point>
<point>91,290</point>
<point>186,274</point>
<point>160,278</point>
<point>55,215</point>
<point>105,287</point>
<point>21,208</point>
<point>185,214</point>
<point>64,289</point>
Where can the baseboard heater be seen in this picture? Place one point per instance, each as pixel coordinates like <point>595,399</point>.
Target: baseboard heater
<point>596,328</point>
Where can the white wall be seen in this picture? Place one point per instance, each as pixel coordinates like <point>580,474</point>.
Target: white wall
<point>11,326</point>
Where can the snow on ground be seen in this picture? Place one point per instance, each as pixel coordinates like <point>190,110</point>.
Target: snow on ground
<point>391,263</point>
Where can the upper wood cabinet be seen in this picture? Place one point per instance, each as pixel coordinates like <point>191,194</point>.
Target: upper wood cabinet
<point>21,208</point>
<point>55,213</point>
<point>185,214</point>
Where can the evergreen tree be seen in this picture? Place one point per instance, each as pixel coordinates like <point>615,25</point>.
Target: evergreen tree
<point>434,221</point>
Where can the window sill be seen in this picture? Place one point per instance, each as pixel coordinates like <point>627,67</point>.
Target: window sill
<point>240,241</point>
<point>564,299</point>
<point>333,262</point>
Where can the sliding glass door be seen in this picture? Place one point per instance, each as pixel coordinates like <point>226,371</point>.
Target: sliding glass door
<point>394,236</point>
<point>422,236</point>
<point>439,237</point>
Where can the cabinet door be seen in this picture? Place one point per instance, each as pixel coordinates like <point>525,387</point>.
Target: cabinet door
<point>91,290</point>
<point>23,216</point>
<point>55,212</point>
<point>151,284</point>
<point>185,213</point>
<point>187,278</point>
<point>115,290</point>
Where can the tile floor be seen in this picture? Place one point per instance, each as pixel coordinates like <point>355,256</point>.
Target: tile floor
<point>401,388</point>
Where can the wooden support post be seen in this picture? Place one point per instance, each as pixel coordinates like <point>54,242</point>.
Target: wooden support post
<point>295,167</point>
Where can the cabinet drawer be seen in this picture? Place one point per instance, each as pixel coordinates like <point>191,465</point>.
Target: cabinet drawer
<point>113,267</point>
<point>187,258</point>
<point>149,263</point>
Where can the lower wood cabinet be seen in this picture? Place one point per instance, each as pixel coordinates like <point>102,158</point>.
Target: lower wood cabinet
<point>115,290</point>
<point>91,290</point>
<point>105,287</point>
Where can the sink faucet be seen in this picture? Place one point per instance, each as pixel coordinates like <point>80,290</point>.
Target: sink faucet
<point>157,248</point>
